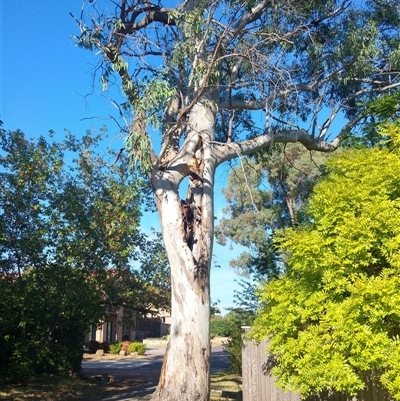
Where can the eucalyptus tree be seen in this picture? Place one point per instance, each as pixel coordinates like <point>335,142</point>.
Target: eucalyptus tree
<point>264,193</point>
<point>209,81</point>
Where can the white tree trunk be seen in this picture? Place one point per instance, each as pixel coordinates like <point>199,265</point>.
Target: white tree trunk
<point>187,227</point>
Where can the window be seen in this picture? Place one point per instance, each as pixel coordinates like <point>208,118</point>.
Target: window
<point>92,332</point>
<point>109,332</point>
<point>126,332</point>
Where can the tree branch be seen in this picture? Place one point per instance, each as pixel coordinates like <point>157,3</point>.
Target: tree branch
<point>226,152</point>
<point>248,18</point>
<point>152,14</point>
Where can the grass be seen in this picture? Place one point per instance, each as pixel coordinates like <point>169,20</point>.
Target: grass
<point>50,388</point>
<point>224,385</point>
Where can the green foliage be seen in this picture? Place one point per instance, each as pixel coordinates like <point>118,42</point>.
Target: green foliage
<point>386,107</point>
<point>220,326</point>
<point>384,110</point>
<point>85,214</point>
<point>46,312</point>
<point>148,109</point>
<point>233,347</point>
<point>149,283</point>
<point>390,135</point>
<point>140,348</point>
<point>279,180</point>
<point>300,61</point>
<point>237,318</point>
<point>64,220</point>
<point>334,314</point>
<point>264,195</point>
<point>115,347</point>
<point>230,326</point>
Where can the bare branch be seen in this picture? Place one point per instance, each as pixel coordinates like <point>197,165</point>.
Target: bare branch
<point>229,151</point>
<point>153,14</point>
<point>251,16</point>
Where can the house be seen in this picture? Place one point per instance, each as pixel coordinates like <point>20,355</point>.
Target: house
<point>124,322</point>
<point>121,324</point>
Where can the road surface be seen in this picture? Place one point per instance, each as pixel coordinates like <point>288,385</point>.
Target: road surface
<point>139,377</point>
<point>219,361</point>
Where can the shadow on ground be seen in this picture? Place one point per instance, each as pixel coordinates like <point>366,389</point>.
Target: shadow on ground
<point>219,361</point>
<point>139,384</point>
<point>129,385</point>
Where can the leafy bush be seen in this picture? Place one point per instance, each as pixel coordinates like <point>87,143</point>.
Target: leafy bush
<point>333,316</point>
<point>237,317</point>
<point>233,347</point>
<point>93,345</point>
<point>220,326</point>
<point>115,347</point>
<point>32,304</point>
<point>140,348</point>
<point>105,346</point>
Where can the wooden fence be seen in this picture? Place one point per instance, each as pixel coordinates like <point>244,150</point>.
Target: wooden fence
<point>258,385</point>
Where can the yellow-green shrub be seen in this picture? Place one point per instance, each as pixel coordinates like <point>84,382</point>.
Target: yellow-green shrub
<point>140,348</point>
<point>336,311</point>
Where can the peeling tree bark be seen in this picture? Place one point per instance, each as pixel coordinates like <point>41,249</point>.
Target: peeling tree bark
<point>188,228</point>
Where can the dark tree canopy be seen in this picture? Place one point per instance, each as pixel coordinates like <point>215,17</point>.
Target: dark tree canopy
<point>66,221</point>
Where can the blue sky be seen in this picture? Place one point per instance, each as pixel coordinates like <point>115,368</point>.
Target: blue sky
<point>46,84</point>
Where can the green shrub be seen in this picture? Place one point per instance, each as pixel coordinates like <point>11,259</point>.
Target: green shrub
<point>237,317</point>
<point>233,347</point>
<point>115,347</point>
<point>220,326</point>
<point>140,348</point>
<point>93,345</point>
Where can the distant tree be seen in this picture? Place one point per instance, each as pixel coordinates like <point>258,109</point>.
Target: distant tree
<point>230,326</point>
<point>198,72</point>
<point>264,194</point>
<point>334,317</point>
